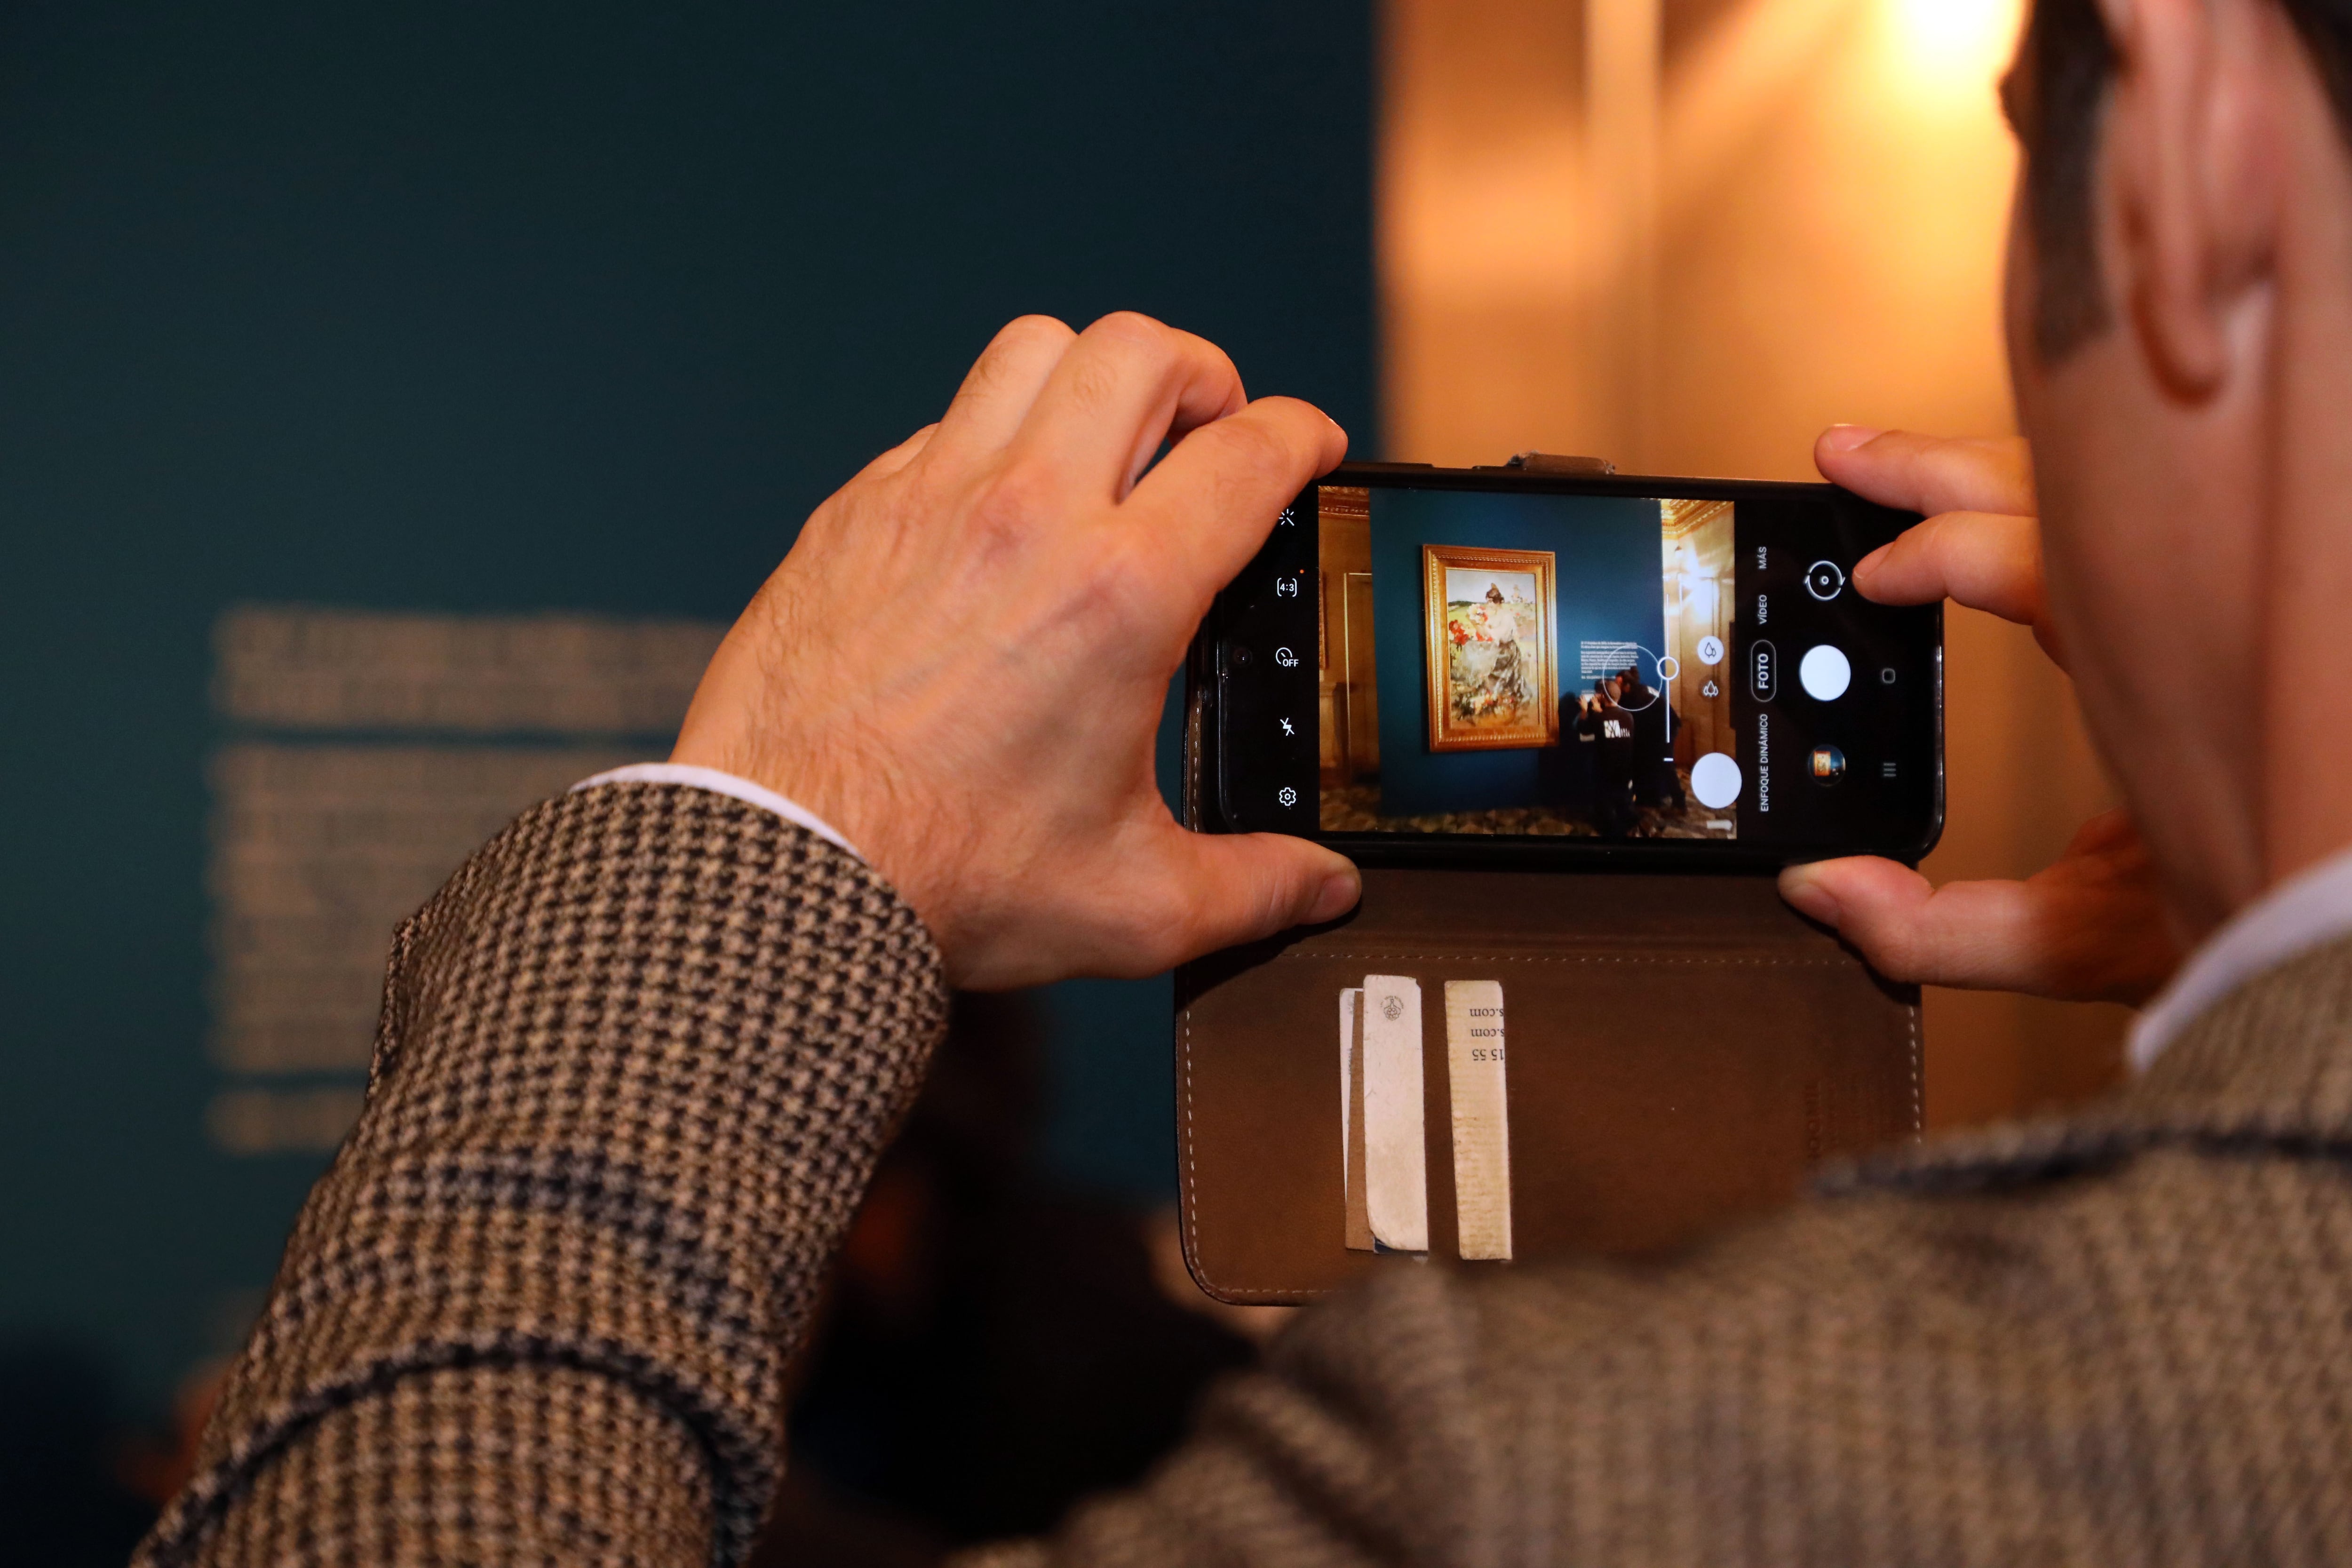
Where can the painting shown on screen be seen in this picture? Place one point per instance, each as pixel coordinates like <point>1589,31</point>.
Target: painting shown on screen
<point>1525,664</point>
<point>1493,680</point>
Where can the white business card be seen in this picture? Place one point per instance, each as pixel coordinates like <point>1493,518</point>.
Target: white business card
<point>1396,1178</point>
<point>1482,1116</point>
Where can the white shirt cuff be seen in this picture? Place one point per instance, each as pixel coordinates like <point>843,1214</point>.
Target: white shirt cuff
<point>717,783</point>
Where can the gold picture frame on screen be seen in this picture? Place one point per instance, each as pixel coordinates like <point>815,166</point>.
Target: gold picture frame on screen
<point>1494,674</point>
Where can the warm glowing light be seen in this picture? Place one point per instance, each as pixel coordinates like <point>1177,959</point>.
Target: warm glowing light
<point>1959,43</point>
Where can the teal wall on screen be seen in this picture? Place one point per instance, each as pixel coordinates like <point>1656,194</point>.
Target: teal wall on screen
<point>505,306</point>
<point>1606,568</point>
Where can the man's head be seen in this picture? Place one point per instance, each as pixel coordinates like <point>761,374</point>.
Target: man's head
<point>2181,336</point>
<point>2056,96</point>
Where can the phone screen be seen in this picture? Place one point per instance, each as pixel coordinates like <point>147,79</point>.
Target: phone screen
<point>1456,657</point>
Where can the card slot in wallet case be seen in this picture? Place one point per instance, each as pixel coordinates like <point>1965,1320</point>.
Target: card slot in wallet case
<point>1682,1050</point>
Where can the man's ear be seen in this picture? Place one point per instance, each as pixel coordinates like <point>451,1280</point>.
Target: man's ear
<point>2191,161</point>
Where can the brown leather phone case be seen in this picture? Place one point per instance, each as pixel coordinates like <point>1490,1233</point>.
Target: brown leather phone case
<point>1682,1049</point>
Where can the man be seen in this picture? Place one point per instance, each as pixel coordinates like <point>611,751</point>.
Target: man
<point>1570,772</point>
<point>636,1059</point>
<point>1613,762</point>
<point>1655,782</point>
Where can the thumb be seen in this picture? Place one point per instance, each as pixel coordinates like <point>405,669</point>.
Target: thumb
<point>1238,887</point>
<point>1986,935</point>
<point>1890,914</point>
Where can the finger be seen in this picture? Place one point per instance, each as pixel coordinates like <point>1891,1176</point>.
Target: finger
<point>1000,388</point>
<point>1238,887</point>
<point>1208,506</point>
<point>1905,927</point>
<point>1928,474</point>
<point>2054,936</point>
<point>1982,560</point>
<point>1127,384</point>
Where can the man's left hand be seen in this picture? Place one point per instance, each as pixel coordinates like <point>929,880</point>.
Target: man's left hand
<point>2090,926</point>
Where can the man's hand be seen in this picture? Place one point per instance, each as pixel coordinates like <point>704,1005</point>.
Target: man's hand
<point>2089,927</point>
<point>961,665</point>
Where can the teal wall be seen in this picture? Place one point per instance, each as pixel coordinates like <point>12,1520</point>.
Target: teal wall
<point>1606,574</point>
<point>503,307</point>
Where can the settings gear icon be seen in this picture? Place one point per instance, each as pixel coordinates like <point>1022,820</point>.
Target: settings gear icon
<point>1287,795</point>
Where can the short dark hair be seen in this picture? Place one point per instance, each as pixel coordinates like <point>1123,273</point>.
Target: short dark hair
<point>2057,95</point>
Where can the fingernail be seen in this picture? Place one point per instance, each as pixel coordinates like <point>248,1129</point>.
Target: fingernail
<point>1806,895</point>
<point>1338,895</point>
<point>1870,562</point>
<point>1846,437</point>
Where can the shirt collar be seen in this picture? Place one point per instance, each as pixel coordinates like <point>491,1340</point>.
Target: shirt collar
<point>2310,908</point>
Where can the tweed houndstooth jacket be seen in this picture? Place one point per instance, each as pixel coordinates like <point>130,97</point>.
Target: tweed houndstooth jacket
<point>637,1062</point>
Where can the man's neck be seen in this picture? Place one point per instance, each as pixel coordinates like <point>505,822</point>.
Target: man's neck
<point>2306,810</point>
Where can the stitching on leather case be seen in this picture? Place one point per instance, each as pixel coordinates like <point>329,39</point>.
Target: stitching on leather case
<point>1184,1063</point>
<point>1191,1196</point>
<point>1918,1091</point>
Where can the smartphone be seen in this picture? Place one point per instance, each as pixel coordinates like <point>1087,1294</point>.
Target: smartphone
<point>1488,665</point>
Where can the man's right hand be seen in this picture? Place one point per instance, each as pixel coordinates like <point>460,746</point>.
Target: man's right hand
<point>2088,927</point>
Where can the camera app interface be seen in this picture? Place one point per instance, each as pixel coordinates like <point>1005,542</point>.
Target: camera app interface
<point>1529,664</point>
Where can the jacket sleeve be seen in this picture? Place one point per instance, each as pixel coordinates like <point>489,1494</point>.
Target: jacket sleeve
<point>635,1065</point>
